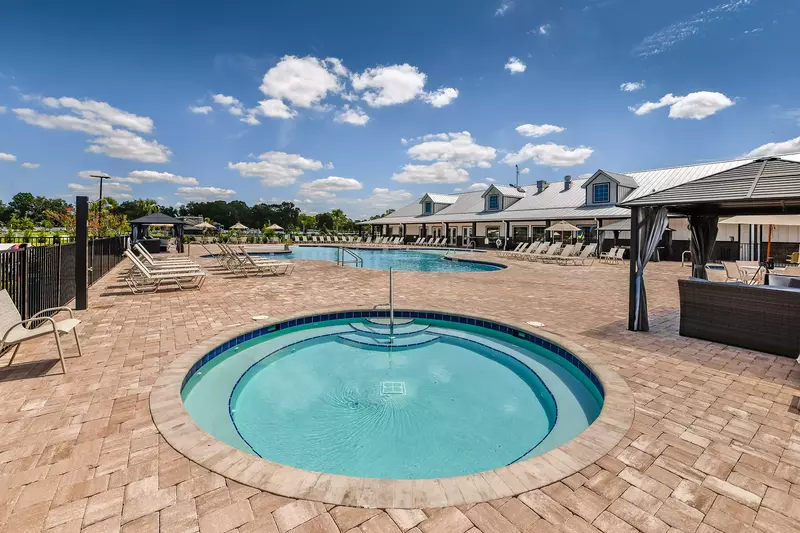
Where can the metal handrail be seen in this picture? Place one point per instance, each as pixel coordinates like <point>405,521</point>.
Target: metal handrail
<point>340,257</point>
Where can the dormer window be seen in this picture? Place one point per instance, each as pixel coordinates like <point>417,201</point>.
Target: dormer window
<point>428,208</point>
<point>600,193</point>
<point>494,202</point>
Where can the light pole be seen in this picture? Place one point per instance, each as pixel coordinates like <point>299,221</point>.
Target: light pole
<point>100,200</point>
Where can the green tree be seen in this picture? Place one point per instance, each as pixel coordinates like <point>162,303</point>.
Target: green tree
<point>134,209</point>
<point>307,222</point>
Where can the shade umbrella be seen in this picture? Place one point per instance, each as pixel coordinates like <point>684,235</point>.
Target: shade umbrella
<point>204,225</point>
<point>238,226</point>
<point>563,226</point>
<point>275,227</point>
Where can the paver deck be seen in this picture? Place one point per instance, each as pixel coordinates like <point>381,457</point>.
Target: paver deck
<point>714,445</point>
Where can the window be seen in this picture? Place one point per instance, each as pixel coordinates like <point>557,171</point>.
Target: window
<point>537,233</point>
<point>520,233</point>
<point>494,202</point>
<point>601,194</point>
<point>493,233</point>
<point>428,208</point>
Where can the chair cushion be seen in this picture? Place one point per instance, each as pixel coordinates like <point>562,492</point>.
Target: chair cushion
<point>19,333</point>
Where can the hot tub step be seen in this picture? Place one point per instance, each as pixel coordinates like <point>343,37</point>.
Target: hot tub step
<point>384,329</point>
<point>383,341</point>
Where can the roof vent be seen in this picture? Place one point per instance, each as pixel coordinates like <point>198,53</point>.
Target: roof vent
<point>567,182</point>
<point>540,186</point>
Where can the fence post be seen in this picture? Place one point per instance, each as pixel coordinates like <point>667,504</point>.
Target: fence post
<point>24,312</point>
<point>81,251</point>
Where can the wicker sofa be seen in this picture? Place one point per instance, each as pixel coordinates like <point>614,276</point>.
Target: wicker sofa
<point>760,318</point>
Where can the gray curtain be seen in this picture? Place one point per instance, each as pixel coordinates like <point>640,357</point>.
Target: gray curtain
<point>704,230</point>
<point>652,224</point>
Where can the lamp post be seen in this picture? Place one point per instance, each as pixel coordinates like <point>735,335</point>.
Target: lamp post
<point>100,200</point>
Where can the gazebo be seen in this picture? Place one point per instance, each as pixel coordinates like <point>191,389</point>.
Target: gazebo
<point>139,227</point>
<point>767,186</point>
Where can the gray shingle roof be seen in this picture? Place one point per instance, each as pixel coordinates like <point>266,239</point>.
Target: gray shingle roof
<point>769,178</point>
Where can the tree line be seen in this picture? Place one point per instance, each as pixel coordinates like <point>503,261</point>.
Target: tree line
<point>25,211</point>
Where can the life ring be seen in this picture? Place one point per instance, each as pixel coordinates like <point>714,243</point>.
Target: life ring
<point>499,242</point>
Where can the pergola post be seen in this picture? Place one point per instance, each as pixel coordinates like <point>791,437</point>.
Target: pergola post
<point>632,268</point>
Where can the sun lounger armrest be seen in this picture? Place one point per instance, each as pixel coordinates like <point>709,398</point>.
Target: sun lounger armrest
<point>23,322</point>
<point>67,309</point>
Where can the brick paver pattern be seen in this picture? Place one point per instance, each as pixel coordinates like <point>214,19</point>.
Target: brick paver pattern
<point>714,446</point>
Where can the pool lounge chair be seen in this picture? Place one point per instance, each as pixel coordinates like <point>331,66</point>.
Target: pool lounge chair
<point>161,263</point>
<point>533,249</point>
<point>521,247</point>
<point>587,254</point>
<point>551,250</point>
<point>140,279</point>
<point>565,252</point>
<point>13,330</point>
<point>268,266</point>
<point>605,257</point>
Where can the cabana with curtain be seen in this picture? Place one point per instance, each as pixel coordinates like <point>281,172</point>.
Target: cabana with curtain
<point>768,186</point>
<point>140,228</point>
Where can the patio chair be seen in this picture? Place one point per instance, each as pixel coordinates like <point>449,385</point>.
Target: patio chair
<point>267,265</point>
<point>14,331</point>
<point>605,257</point>
<point>140,279</point>
<point>551,250</point>
<point>566,252</point>
<point>576,250</point>
<point>587,254</point>
<point>732,272</point>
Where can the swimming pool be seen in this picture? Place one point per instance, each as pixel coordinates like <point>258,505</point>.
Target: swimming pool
<point>433,396</point>
<point>399,259</point>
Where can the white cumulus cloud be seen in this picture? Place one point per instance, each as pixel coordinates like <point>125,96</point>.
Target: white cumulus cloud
<point>390,85</point>
<point>771,149</point>
<point>441,172</point>
<point>111,130</point>
<point>441,97</point>
<point>698,105</point>
<point>329,185</point>
<point>152,176</point>
<point>303,81</point>
<point>479,186</point>
<point>119,191</point>
<point>534,130</point>
<point>515,65</point>
<point>276,168</point>
<point>233,105</point>
<point>7,157</point>
<point>201,109</point>
<point>525,170</point>
<point>274,108</point>
<point>355,116</point>
<point>500,11</point>
<point>544,29</point>
<point>204,194</point>
<point>458,148</point>
<point>30,165</point>
<point>550,154</point>
<point>631,86</point>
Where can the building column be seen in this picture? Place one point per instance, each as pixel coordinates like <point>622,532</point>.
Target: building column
<point>447,232</point>
<point>424,231</point>
<point>475,233</point>
<point>508,235</point>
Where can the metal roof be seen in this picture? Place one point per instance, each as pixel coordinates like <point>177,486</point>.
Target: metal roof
<point>762,179</point>
<point>440,198</point>
<point>155,219</point>
<point>506,190</point>
<point>622,179</point>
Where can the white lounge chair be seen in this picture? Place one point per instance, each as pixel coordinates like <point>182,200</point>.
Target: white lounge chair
<point>587,254</point>
<point>13,330</point>
<point>566,252</point>
<point>551,250</point>
<point>605,257</point>
<point>140,279</point>
<point>520,248</point>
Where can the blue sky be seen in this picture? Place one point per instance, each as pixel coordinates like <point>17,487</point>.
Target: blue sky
<point>364,105</point>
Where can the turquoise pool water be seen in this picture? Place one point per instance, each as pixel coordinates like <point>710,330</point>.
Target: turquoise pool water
<point>428,399</point>
<point>408,260</point>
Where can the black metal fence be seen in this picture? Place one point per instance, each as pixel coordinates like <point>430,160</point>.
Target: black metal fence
<point>34,239</point>
<point>40,277</point>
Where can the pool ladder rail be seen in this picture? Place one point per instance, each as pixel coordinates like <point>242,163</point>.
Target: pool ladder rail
<point>342,255</point>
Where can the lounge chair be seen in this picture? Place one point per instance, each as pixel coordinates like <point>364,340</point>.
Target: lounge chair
<point>521,247</point>
<point>140,279</point>
<point>533,249</point>
<point>14,331</point>
<point>267,265</point>
<point>617,258</point>
<point>161,263</point>
<point>566,252</point>
<point>551,250</point>
<point>587,254</point>
<point>732,272</point>
<point>605,257</point>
